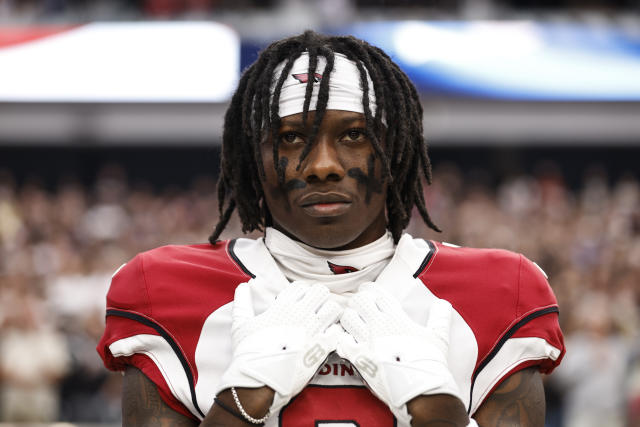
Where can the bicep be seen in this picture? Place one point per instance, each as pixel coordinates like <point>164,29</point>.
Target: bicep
<point>517,402</point>
<point>143,406</point>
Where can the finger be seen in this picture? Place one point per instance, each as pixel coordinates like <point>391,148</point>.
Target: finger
<point>439,322</point>
<point>329,338</point>
<point>347,347</point>
<point>300,284</point>
<point>386,302</point>
<point>364,303</point>
<point>336,330</point>
<point>314,297</point>
<point>362,298</point>
<point>354,325</point>
<point>242,304</point>
<point>329,313</point>
<point>291,293</point>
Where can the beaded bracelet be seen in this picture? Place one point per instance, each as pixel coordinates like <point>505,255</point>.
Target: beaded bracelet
<point>247,417</point>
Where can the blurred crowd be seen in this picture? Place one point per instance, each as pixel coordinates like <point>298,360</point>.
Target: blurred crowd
<point>137,8</point>
<point>88,10</point>
<point>587,240</point>
<point>59,245</point>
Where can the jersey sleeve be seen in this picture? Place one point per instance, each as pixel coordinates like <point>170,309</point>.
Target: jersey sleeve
<point>132,337</point>
<point>532,338</point>
<point>538,309</point>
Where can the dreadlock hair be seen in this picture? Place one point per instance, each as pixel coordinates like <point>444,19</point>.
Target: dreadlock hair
<point>253,112</point>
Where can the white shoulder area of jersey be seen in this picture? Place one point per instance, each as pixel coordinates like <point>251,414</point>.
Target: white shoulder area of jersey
<point>164,357</point>
<point>409,256</point>
<point>255,256</point>
<point>118,270</point>
<point>541,270</point>
<point>514,352</point>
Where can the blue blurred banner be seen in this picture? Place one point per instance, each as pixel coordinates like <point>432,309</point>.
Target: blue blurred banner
<point>512,60</point>
<point>199,61</point>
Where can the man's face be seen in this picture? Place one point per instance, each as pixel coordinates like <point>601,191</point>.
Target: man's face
<point>336,199</point>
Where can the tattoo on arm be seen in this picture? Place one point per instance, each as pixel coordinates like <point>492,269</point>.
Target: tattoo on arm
<point>143,406</point>
<point>517,402</point>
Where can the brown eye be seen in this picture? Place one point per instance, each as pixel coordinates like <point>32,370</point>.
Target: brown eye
<point>354,135</point>
<point>291,138</point>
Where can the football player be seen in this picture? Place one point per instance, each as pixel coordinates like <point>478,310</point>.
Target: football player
<point>334,316</point>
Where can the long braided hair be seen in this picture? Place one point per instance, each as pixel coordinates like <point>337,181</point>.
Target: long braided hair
<point>253,112</point>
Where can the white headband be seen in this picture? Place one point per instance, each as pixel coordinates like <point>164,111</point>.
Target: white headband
<point>345,91</point>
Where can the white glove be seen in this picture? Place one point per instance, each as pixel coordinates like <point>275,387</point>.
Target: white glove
<point>397,358</point>
<point>284,346</point>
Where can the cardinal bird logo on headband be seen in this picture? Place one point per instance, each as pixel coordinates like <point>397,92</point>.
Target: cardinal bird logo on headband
<point>304,77</point>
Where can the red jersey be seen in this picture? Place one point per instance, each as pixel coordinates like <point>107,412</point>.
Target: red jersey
<point>169,315</point>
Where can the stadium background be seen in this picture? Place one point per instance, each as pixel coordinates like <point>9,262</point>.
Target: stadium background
<point>88,179</point>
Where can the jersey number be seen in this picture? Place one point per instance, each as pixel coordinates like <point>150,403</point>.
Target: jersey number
<point>336,424</point>
<point>336,406</point>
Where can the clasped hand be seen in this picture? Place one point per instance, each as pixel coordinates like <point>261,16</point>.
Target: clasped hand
<point>397,358</point>
<point>284,346</point>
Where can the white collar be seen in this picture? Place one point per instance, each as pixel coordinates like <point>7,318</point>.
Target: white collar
<point>341,271</point>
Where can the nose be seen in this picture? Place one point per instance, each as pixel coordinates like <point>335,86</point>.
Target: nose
<point>323,162</point>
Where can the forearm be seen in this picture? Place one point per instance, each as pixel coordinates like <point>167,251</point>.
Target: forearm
<point>440,410</point>
<point>518,401</point>
<point>142,405</point>
<point>255,401</point>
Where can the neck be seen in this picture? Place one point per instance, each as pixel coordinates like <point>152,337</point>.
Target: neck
<point>299,261</point>
<point>373,232</point>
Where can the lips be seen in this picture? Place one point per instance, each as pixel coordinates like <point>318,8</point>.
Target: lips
<point>323,198</point>
<point>325,204</point>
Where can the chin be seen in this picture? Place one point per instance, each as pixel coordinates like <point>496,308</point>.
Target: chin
<point>328,242</point>
<point>329,238</point>
<point>334,233</point>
